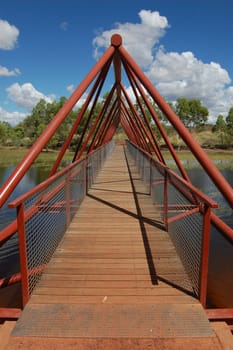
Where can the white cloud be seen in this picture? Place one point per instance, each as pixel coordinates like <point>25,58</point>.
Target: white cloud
<point>139,39</point>
<point>8,35</point>
<point>174,74</point>
<point>70,88</point>
<point>11,117</point>
<point>26,95</point>
<point>182,74</point>
<point>5,72</point>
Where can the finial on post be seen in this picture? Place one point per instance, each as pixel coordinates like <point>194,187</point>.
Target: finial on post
<point>116,40</point>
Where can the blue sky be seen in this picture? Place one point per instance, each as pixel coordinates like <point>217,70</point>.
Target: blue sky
<point>48,46</point>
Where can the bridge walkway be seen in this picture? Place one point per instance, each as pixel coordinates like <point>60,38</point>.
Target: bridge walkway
<point>115,281</point>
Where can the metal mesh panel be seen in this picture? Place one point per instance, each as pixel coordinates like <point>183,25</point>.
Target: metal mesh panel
<point>49,211</point>
<point>186,234</point>
<point>95,162</point>
<point>157,191</point>
<point>185,227</point>
<point>48,223</point>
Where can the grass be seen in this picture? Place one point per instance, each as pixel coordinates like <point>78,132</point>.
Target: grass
<point>12,156</point>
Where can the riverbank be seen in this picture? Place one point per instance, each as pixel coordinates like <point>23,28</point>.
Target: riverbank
<point>12,156</point>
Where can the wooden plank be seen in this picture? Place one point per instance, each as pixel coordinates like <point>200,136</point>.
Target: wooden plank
<point>224,334</point>
<point>113,254</point>
<point>82,299</point>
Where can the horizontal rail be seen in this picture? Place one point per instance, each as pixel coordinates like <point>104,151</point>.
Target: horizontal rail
<point>219,314</point>
<point>207,200</point>
<point>44,212</point>
<point>43,185</point>
<point>11,313</point>
<point>186,214</point>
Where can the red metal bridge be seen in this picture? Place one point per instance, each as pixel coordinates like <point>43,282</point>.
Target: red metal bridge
<point>114,247</point>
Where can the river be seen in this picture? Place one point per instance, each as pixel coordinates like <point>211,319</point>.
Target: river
<point>220,283</point>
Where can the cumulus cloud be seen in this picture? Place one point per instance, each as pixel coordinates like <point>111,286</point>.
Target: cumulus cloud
<point>5,72</point>
<point>70,88</point>
<point>26,96</point>
<point>11,117</point>
<point>139,39</point>
<point>174,74</point>
<point>182,74</point>
<point>8,35</point>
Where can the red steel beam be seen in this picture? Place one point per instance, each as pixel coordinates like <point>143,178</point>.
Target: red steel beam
<point>155,144</point>
<point>11,313</point>
<point>101,118</point>
<point>37,147</point>
<point>75,126</point>
<point>159,125</point>
<point>136,126</point>
<point>196,149</point>
<point>137,117</point>
<point>107,126</point>
<point>219,314</point>
<point>102,75</point>
<point>112,128</point>
<point>127,129</point>
<point>127,124</point>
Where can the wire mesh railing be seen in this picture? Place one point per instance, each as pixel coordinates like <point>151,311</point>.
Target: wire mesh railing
<point>185,212</point>
<point>45,212</point>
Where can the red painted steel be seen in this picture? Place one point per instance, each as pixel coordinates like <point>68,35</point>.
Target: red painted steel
<point>74,127</point>
<point>205,256</point>
<point>12,313</point>
<point>207,200</point>
<point>204,160</point>
<point>183,215</point>
<point>102,130</point>
<point>139,121</point>
<point>155,144</point>
<point>38,146</point>
<point>23,254</point>
<point>157,123</point>
<point>220,314</point>
<point>137,127</point>
<point>225,229</point>
<point>98,124</point>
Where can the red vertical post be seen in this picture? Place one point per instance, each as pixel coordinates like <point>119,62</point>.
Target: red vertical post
<point>205,255</point>
<point>23,254</point>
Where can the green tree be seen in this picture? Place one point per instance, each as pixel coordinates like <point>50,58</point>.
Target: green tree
<point>229,119</point>
<point>6,133</point>
<point>220,124</point>
<point>191,112</point>
<point>229,126</point>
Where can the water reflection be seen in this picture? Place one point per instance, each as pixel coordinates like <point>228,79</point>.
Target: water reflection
<point>220,281</point>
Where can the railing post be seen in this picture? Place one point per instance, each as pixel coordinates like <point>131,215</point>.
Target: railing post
<point>23,254</point>
<point>205,255</point>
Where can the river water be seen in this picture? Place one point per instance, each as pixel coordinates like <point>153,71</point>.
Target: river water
<point>220,284</point>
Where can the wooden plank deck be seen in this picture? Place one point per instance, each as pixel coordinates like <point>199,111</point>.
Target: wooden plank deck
<point>115,281</point>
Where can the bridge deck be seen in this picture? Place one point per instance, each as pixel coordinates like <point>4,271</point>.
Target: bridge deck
<point>115,280</point>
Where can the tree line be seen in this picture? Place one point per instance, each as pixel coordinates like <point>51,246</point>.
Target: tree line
<point>190,111</point>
